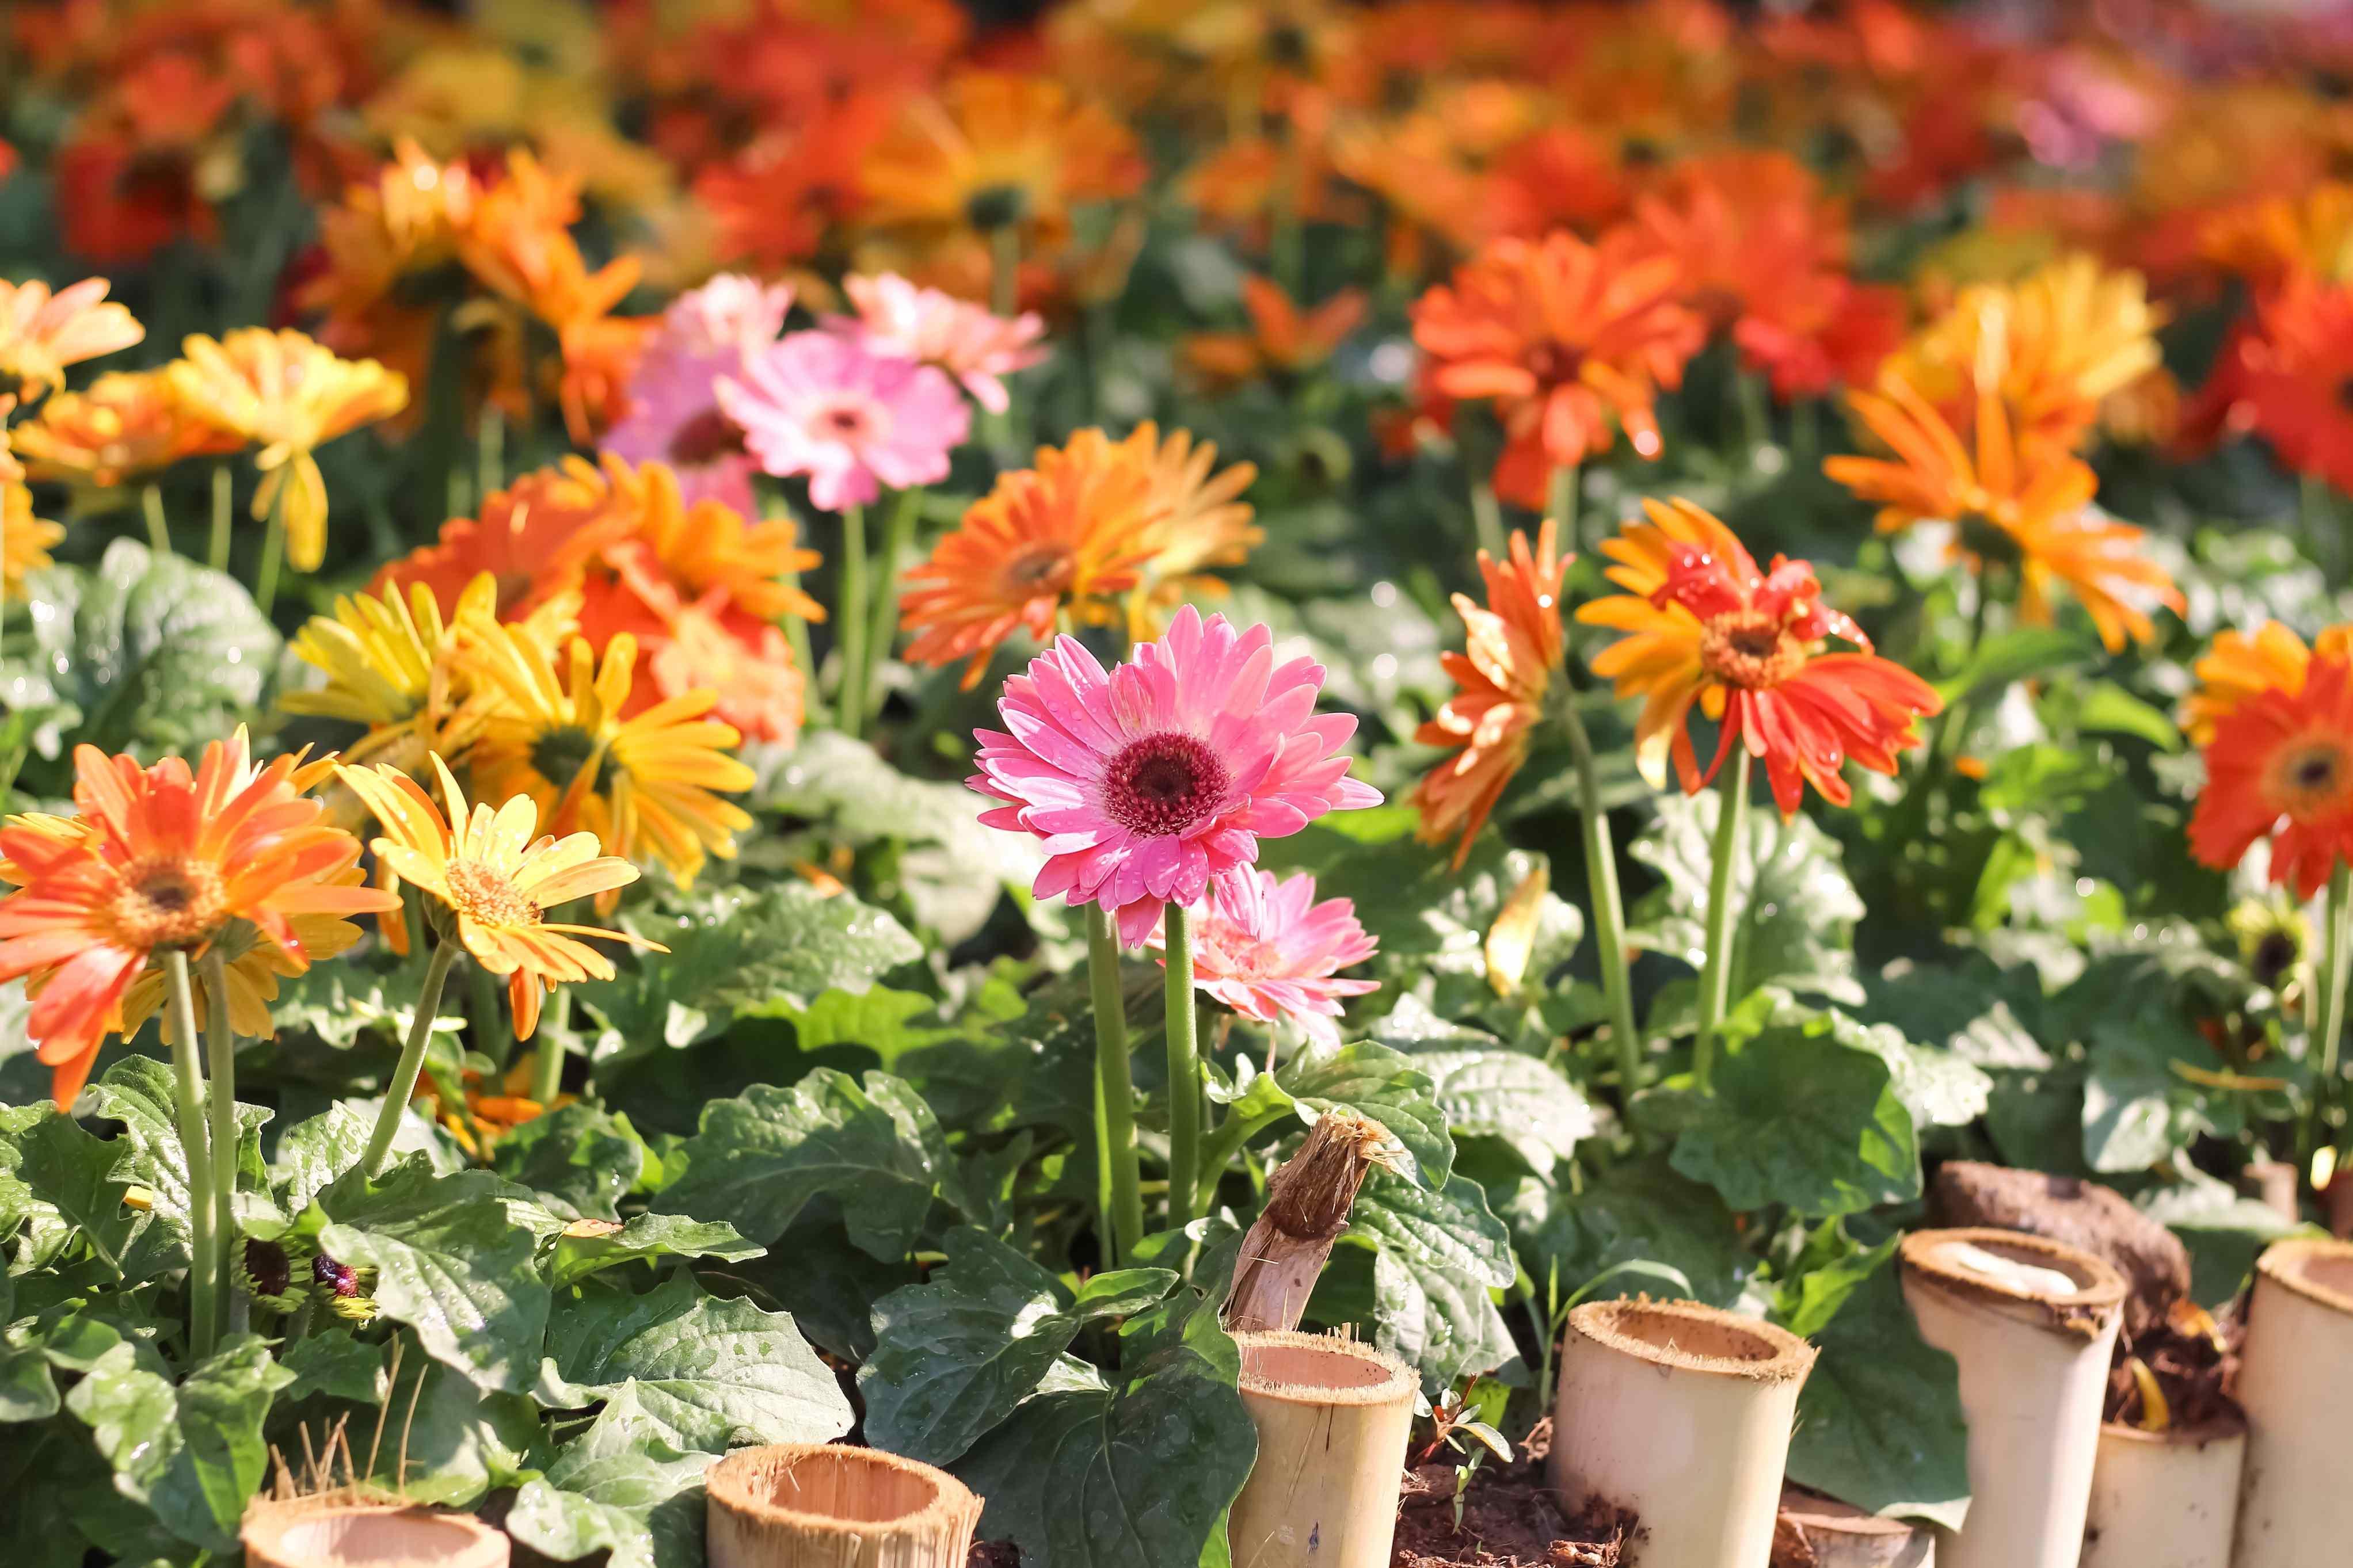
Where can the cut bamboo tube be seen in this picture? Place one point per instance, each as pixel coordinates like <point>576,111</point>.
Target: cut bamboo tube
<point>1816,1531</point>
<point>1307,1207</point>
<point>2165,1499</point>
<point>1679,1414</point>
<point>2295,1382</point>
<point>320,1533</point>
<point>807,1505</point>
<point>1333,1418</point>
<point>2031,1323</point>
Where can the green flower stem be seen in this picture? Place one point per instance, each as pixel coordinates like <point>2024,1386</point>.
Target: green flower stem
<point>220,1051</point>
<point>797,634</point>
<point>1560,503</point>
<point>2336,960</point>
<point>403,1087</point>
<point>1223,1145</point>
<point>1487,518</point>
<point>493,1035</point>
<point>1716,980</point>
<point>547,1066</point>
<point>159,531</point>
<point>898,531</point>
<point>273,553</point>
<point>217,557</point>
<point>849,624</point>
<point>1005,269</point>
<point>1120,1195</point>
<point>204,1258</point>
<point>1608,908</point>
<point>1183,1068</point>
<point>490,453</point>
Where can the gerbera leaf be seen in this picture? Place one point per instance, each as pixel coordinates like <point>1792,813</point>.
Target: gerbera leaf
<point>1801,1119</point>
<point>138,1091</point>
<point>1636,1211</point>
<point>647,1235</point>
<point>1387,1085</point>
<point>193,1453</point>
<point>578,1156</point>
<point>621,1487</point>
<point>1439,1253</point>
<point>1879,1421</point>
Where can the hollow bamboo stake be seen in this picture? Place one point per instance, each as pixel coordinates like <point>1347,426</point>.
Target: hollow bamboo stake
<point>2165,1499</point>
<point>1679,1414</point>
<point>314,1532</point>
<point>1307,1207</point>
<point>2031,1323</point>
<point>2295,1382</point>
<point>1333,1418</point>
<point>1817,1531</point>
<point>806,1505</point>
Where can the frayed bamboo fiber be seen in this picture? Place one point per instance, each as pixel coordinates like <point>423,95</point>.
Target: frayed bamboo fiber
<point>317,1533</point>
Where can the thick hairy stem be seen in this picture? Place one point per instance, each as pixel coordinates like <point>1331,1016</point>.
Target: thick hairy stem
<point>159,531</point>
<point>547,1066</point>
<point>898,533</point>
<point>850,624</point>
<point>216,556</point>
<point>1609,909</point>
<point>188,1097</point>
<point>273,553</point>
<point>1716,980</point>
<point>1120,1193</point>
<point>403,1087</point>
<point>1184,1070</point>
<point>220,1052</point>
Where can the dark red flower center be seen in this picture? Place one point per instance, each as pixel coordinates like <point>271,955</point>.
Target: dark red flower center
<point>850,420</point>
<point>2312,778</point>
<point>1040,569</point>
<point>705,439</point>
<point>1162,785</point>
<point>1750,649</point>
<point>1552,363</point>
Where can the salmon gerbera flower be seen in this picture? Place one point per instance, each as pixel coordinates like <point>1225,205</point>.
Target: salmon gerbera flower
<point>2239,667</point>
<point>973,345</point>
<point>2015,505</point>
<point>41,332</point>
<point>1143,783</point>
<point>497,876</point>
<point>1502,676</point>
<point>1269,951</point>
<point>158,858</point>
<point>1561,336</point>
<point>1705,628</point>
<point>2281,765</point>
<point>1060,541</point>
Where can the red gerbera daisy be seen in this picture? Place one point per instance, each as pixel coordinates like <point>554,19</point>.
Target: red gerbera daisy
<point>2281,764</point>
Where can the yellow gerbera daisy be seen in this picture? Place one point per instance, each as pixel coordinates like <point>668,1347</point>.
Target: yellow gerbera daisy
<point>291,395</point>
<point>25,540</point>
<point>496,877</point>
<point>646,785</point>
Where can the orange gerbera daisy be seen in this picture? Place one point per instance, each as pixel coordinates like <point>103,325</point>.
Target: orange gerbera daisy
<point>1198,522</point>
<point>2281,764</point>
<point>518,241</point>
<point>2269,239</point>
<point>2239,667</point>
<point>1066,536</point>
<point>497,876</point>
<point>1513,646</point>
<point>161,857</point>
<point>1704,626</point>
<point>1283,337</point>
<point>2013,505</point>
<point>997,149</point>
<point>41,332</point>
<point>127,425</point>
<point>1560,335</point>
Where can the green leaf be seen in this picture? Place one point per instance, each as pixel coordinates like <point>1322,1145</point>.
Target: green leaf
<point>2138,1108</point>
<point>451,1262</point>
<point>740,950</point>
<point>2103,706</point>
<point>140,1092</point>
<point>1833,1268</point>
<point>2225,1233</point>
<point>73,1174</point>
<point>2017,654</point>
<point>452,1443</point>
<point>758,1159</point>
<point>336,1365</point>
<point>709,1373</point>
<point>647,1235</point>
<point>1635,1211</point>
<point>341,1002</point>
<point>158,655</point>
<point>1388,1086</point>
<point>1879,1421</point>
<point>193,1455</point>
<point>1799,1119</point>
<point>1982,1014</point>
<point>582,1157</point>
<point>1511,1096</point>
<point>27,1392</point>
<point>1139,1475</point>
<point>1937,1088</point>
<point>955,1355</point>
<point>315,1150</point>
<point>620,1487</point>
<point>1440,1254</point>
<point>1799,909</point>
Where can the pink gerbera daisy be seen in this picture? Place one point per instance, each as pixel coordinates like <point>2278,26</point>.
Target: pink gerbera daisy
<point>674,416</point>
<point>850,418</point>
<point>969,342</point>
<point>1143,783</point>
<point>1268,950</point>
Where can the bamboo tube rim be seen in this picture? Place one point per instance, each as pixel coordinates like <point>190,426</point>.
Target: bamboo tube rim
<point>306,1531</point>
<point>2100,1286</point>
<point>2213,1429</point>
<point>747,1482</point>
<point>1692,1336</point>
<point>1328,1370</point>
<point>2316,1268</point>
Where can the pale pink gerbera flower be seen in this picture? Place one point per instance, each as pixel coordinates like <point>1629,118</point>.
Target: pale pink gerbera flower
<point>1143,783</point>
<point>41,332</point>
<point>977,347</point>
<point>1268,950</point>
<point>850,418</point>
<point>674,416</point>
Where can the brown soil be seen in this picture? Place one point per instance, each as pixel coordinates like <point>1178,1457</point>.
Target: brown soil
<point>2100,1220</point>
<point>1511,1519</point>
<point>2193,1374</point>
<point>994,1554</point>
